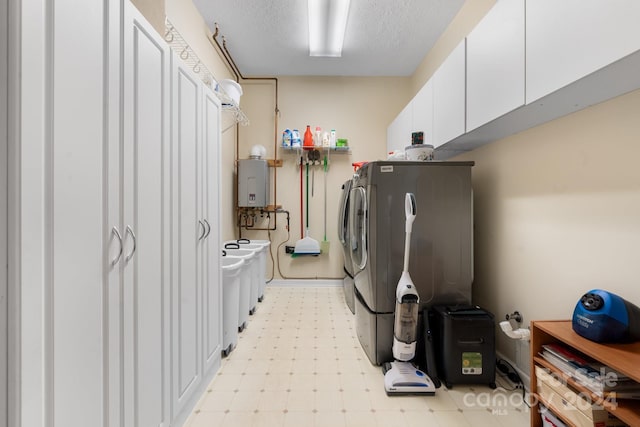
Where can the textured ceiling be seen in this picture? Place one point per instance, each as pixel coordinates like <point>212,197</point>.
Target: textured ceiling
<point>383,37</point>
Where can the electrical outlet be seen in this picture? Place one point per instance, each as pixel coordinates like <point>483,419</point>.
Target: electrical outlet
<point>289,249</point>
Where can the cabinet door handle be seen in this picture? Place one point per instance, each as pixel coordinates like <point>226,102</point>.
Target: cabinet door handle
<point>208,228</point>
<point>133,250</point>
<point>115,232</point>
<point>204,230</point>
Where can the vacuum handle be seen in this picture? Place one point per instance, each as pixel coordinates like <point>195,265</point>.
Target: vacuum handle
<point>410,210</point>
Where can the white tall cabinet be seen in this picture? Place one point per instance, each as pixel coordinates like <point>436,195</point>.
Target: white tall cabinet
<point>196,288</point>
<point>118,261</point>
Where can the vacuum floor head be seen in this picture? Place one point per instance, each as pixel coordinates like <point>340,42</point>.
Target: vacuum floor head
<point>402,378</point>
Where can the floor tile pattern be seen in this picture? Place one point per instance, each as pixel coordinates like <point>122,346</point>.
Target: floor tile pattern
<point>299,364</point>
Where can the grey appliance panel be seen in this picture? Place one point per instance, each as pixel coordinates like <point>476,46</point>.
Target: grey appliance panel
<point>347,285</point>
<point>253,183</point>
<point>441,242</point>
<point>375,332</point>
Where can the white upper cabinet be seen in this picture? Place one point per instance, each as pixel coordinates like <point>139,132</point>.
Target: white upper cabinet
<point>422,112</point>
<point>567,40</point>
<point>495,64</point>
<point>449,97</point>
<point>399,131</point>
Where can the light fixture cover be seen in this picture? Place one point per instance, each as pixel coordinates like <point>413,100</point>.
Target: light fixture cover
<point>327,25</point>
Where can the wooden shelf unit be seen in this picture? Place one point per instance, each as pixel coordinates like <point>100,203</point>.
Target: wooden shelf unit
<point>624,358</point>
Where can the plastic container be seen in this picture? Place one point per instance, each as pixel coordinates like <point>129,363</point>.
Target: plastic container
<point>318,140</point>
<point>287,138</point>
<point>419,152</point>
<point>295,138</point>
<point>231,269</point>
<point>308,137</point>
<point>332,138</point>
<point>255,270</point>
<point>231,88</point>
<point>246,276</point>
<point>264,254</point>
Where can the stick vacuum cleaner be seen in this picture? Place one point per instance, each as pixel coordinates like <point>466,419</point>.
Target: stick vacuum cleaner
<point>401,376</point>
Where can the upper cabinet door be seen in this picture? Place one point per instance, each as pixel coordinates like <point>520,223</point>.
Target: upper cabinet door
<point>449,97</point>
<point>399,131</point>
<point>567,40</point>
<point>495,64</point>
<point>422,112</point>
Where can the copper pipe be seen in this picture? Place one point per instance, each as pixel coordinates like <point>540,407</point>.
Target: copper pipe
<point>238,74</point>
<point>227,55</point>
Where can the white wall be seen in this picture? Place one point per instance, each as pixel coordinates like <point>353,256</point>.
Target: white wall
<point>557,214</point>
<point>360,110</point>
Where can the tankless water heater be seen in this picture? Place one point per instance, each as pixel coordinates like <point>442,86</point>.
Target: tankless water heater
<point>253,183</point>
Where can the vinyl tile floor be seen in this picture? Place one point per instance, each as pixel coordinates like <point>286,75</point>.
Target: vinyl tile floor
<point>299,364</point>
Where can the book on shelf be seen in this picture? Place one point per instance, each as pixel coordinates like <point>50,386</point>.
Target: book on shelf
<point>593,375</point>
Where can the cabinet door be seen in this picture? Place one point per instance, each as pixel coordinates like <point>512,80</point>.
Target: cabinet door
<point>567,40</point>
<point>399,131</point>
<point>145,227</point>
<point>422,112</point>
<point>449,97</point>
<point>187,229</point>
<point>76,235</point>
<point>212,280</point>
<point>495,64</point>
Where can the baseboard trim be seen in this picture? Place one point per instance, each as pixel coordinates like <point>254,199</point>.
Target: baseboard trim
<point>300,283</point>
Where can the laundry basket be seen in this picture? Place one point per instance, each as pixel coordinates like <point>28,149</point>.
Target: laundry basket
<point>255,278</point>
<point>246,277</point>
<point>263,262</point>
<point>231,270</point>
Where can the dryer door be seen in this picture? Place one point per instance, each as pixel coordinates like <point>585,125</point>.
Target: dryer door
<point>343,214</point>
<point>358,226</point>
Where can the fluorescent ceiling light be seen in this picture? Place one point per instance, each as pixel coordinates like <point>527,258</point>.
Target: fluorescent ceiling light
<point>327,24</point>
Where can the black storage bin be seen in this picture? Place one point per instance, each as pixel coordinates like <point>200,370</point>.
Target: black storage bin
<point>464,345</point>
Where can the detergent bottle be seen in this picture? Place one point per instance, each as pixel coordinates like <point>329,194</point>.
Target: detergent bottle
<point>308,137</point>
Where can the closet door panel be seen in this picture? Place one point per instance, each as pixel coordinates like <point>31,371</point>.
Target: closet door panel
<point>212,283</point>
<point>145,222</point>
<point>187,230</point>
<point>75,301</point>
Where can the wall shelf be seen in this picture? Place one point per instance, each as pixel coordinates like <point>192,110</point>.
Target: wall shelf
<point>337,150</point>
<point>231,111</point>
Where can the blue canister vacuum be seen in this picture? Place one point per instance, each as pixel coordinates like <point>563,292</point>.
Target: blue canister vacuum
<point>604,317</point>
<point>401,376</point>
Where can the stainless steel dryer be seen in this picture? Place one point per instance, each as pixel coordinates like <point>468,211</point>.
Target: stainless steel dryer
<point>345,240</point>
<point>441,261</point>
